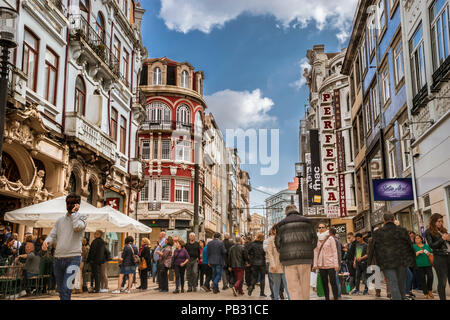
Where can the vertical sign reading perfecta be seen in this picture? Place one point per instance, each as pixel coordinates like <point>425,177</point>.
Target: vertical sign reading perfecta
<point>340,154</point>
<point>327,128</point>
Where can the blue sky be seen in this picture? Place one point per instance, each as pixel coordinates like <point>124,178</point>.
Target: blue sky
<point>251,53</point>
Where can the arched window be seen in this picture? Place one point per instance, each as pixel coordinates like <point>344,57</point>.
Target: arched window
<point>80,96</point>
<point>73,183</point>
<point>184,115</point>
<point>184,79</point>
<point>198,124</point>
<point>9,168</point>
<point>157,76</point>
<point>159,114</point>
<point>100,26</point>
<point>85,8</point>
<point>90,196</point>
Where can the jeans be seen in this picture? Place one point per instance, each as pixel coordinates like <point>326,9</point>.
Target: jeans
<point>227,278</point>
<point>154,270</point>
<point>425,278</point>
<point>360,272</point>
<point>278,280</point>
<point>248,276</point>
<point>269,275</point>
<point>396,280</point>
<point>338,284</point>
<point>259,274</point>
<point>442,267</point>
<point>65,270</point>
<point>409,280</point>
<point>216,274</point>
<point>239,276</point>
<point>179,276</point>
<point>192,273</point>
<point>326,274</point>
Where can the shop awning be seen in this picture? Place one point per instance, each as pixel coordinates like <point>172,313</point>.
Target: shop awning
<point>45,214</point>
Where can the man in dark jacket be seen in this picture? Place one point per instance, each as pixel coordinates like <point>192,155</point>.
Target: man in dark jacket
<point>236,263</point>
<point>360,264</point>
<point>350,257</point>
<point>257,261</point>
<point>394,253</point>
<point>247,268</point>
<point>296,240</point>
<point>96,258</point>
<point>216,259</point>
<point>227,275</point>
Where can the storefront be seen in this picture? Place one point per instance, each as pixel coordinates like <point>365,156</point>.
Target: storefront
<point>115,240</point>
<point>343,227</point>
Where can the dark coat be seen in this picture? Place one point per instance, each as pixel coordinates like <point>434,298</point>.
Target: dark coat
<point>351,253</point>
<point>145,254</point>
<point>5,251</point>
<point>237,256</point>
<point>436,243</point>
<point>392,247</point>
<point>193,249</point>
<point>97,252</point>
<point>256,254</point>
<point>216,252</point>
<point>127,255</point>
<point>295,240</point>
<point>228,244</point>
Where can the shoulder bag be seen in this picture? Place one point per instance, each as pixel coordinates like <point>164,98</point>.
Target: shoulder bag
<point>135,257</point>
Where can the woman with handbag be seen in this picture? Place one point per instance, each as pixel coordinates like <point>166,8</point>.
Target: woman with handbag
<point>144,254</point>
<point>165,263</point>
<point>179,260</point>
<point>439,240</point>
<point>326,261</point>
<point>424,259</point>
<point>129,261</point>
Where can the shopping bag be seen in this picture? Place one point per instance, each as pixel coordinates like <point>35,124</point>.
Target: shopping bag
<point>313,281</point>
<point>319,288</point>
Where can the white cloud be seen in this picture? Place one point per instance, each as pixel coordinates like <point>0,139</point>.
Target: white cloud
<point>240,109</point>
<point>303,64</point>
<point>205,15</point>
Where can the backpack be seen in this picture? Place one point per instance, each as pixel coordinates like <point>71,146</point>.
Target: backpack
<point>136,258</point>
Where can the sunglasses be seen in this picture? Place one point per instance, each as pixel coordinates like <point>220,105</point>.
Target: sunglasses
<point>322,228</point>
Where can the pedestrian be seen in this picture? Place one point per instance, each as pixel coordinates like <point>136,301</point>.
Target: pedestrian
<point>374,262</point>
<point>424,270</point>
<point>269,276</point>
<point>332,232</point>
<point>257,261</point>
<point>6,233</point>
<point>96,258</point>
<point>17,243</point>
<point>31,267</point>
<point>276,271</point>
<point>216,260</point>
<point>144,255</point>
<point>127,264</point>
<point>193,249</point>
<point>81,278</point>
<point>326,260</point>
<point>360,264</point>
<point>68,232</point>
<point>206,268</point>
<point>155,259</point>
<point>226,274</point>
<point>6,251</point>
<point>236,263</point>
<point>179,260</point>
<point>201,271</point>
<point>394,254</point>
<point>104,272</point>
<point>439,241</point>
<point>350,258</point>
<point>295,240</point>
<point>247,269</point>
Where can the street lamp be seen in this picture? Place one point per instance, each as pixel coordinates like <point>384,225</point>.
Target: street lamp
<point>8,20</point>
<point>299,170</point>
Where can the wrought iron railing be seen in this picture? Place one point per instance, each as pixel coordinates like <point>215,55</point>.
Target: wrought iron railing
<point>154,206</point>
<point>442,73</point>
<point>420,98</point>
<point>80,28</point>
<point>167,125</point>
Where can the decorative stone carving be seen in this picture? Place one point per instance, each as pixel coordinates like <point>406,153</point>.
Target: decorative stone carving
<point>35,191</point>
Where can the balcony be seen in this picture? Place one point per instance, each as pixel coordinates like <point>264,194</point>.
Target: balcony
<point>166,125</point>
<point>17,84</point>
<point>91,135</point>
<point>420,99</point>
<point>93,50</point>
<point>136,168</point>
<point>441,75</point>
<point>154,206</point>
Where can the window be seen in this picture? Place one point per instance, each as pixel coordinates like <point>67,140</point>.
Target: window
<point>405,144</point>
<point>155,149</point>
<point>145,149</point>
<point>182,188</point>
<point>51,73</point>
<point>371,38</point>
<point>368,116</point>
<point>184,79</point>
<point>85,9</point>
<point>363,56</point>
<point>159,113</point>
<point>114,121</point>
<point>439,16</point>
<point>126,62</point>
<point>123,134</point>
<point>355,138</point>
<point>30,58</point>
<point>116,51</point>
<point>184,115</point>
<point>375,101</point>
<point>399,71</point>
<point>385,87</point>
<point>361,130</point>
<point>100,26</point>
<point>145,191</point>
<point>80,96</point>
<point>381,17</point>
<point>125,7</point>
<point>166,146</point>
<point>165,190</point>
<point>391,158</point>
<point>183,151</point>
<point>417,60</point>
<point>157,76</point>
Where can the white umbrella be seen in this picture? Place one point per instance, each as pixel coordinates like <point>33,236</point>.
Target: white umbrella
<point>45,214</point>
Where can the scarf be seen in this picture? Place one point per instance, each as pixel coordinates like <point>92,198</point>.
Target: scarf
<point>323,236</point>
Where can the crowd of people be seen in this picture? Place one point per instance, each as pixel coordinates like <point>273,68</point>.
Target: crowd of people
<point>293,253</point>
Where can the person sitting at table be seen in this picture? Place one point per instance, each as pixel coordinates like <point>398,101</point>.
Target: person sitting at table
<point>32,264</point>
<point>6,250</point>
